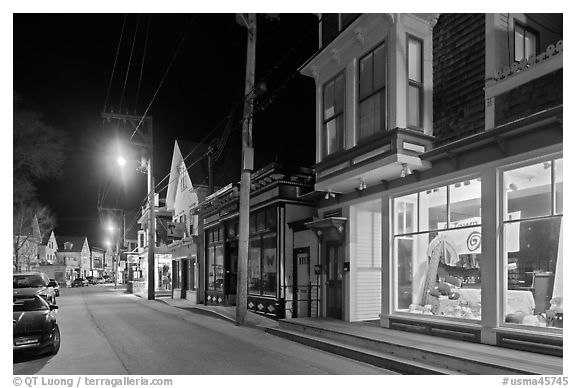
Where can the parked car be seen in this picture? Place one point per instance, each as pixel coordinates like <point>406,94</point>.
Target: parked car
<point>100,281</point>
<point>37,281</point>
<point>54,284</point>
<point>79,282</point>
<point>34,324</point>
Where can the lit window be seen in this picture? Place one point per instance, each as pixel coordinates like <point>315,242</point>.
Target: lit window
<point>525,42</point>
<point>183,184</point>
<point>532,224</point>
<point>437,236</point>
<point>372,109</point>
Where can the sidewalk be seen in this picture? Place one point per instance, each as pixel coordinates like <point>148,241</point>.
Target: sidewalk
<point>227,313</point>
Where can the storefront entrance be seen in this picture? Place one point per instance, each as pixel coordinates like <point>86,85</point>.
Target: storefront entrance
<point>334,276</point>
<point>231,268</point>
<point>302,287</point>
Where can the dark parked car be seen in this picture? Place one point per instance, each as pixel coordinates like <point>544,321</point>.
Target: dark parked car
<point>34,324</point>
<point>54,284</point>
<point>37,281</point>
<point>79,282</point>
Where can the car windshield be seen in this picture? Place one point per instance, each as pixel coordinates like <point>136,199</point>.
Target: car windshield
<point>26,281</point>
<point>29,304</point>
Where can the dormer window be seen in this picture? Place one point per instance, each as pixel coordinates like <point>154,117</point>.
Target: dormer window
<point>525,42</point>
<point>183,184</point>
<point>372,94</point>
<point>68,246</point>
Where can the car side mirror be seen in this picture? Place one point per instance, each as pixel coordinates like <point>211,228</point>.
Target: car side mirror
<point>53,307</point>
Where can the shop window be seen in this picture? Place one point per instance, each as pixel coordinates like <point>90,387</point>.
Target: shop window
<point>372,98</point>
<point>216,267</point>
<point>437,268</point>
<point>262,266</point>
<point>532,221</point>
<point>525,42</point>
<point>333,116</point>
<point>254,271</point>
<point>415,83</point>
<point>269,265</point>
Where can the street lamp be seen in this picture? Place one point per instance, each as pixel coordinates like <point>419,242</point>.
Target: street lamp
<point>146,167</point>
<point>143,137</point>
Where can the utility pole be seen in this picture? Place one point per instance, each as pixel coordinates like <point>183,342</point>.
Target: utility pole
<point>249,20</point>
<point>151,219</point>
<point>146,142</point>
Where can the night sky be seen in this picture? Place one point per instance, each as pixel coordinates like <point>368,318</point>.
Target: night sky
<point>62,66</point>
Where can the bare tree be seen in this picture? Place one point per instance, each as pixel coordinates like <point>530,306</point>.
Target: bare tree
<point>32,222</point>
<point>39,152</point>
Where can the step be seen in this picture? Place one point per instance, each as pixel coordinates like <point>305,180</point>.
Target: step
<point>457,356</point>
<point>378,359</point>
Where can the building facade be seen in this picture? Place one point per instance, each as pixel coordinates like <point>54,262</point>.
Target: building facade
<point>439,163</point>
<point>74,254</point>
<point>47,250</point>
<point>276,245</point>
<point>187,188</point>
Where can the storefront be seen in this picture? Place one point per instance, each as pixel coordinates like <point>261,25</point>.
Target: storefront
<point>274,204</point>
<point>479,256</point>
<point>474,254</point>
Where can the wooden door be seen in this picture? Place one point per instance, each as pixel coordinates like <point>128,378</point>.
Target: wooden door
<point>334,278</point>
<point>301,276</point>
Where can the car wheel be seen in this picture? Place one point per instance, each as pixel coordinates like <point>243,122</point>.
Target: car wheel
<point>56,341</point>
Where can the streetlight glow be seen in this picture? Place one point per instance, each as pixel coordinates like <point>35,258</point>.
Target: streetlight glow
<point>121,161</point>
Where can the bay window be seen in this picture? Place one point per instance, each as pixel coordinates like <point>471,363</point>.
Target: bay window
<point>333,116</point>
<point>415,83</point>
<point>372,93</point>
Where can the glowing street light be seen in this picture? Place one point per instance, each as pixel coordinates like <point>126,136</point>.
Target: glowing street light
<point>121,161</point>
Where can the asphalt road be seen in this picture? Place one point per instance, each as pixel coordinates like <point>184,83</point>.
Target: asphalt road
<point>106,331</point>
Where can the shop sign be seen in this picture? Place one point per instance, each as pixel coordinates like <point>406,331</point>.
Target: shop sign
<point>228,209</point>
<point>551,51</point>
<point>132,259</point>
<point>175,229</point>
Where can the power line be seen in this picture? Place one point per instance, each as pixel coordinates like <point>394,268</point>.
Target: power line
<point>142,67</point>
<point>129,64</point>
<point>164,76</point>
<point>114,65</point>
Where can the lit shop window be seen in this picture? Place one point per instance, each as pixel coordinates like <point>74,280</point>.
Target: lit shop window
<point>437,249</point>
<point>532,220</point>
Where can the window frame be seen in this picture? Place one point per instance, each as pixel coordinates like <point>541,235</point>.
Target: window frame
<point>373,92</point>
<point>524,27</point>
<point>334,117</point>
<point>413,83</point>
<point>503,223</point>
<point>419,229</point>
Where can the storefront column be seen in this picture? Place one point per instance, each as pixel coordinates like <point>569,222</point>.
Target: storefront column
<point>387,264</point>
<point>490,263</point>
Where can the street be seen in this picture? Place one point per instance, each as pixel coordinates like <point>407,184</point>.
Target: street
<point>106,331</point>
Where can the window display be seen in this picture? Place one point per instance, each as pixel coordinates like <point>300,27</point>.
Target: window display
<point>437,246</point>
<point>533,244</point>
